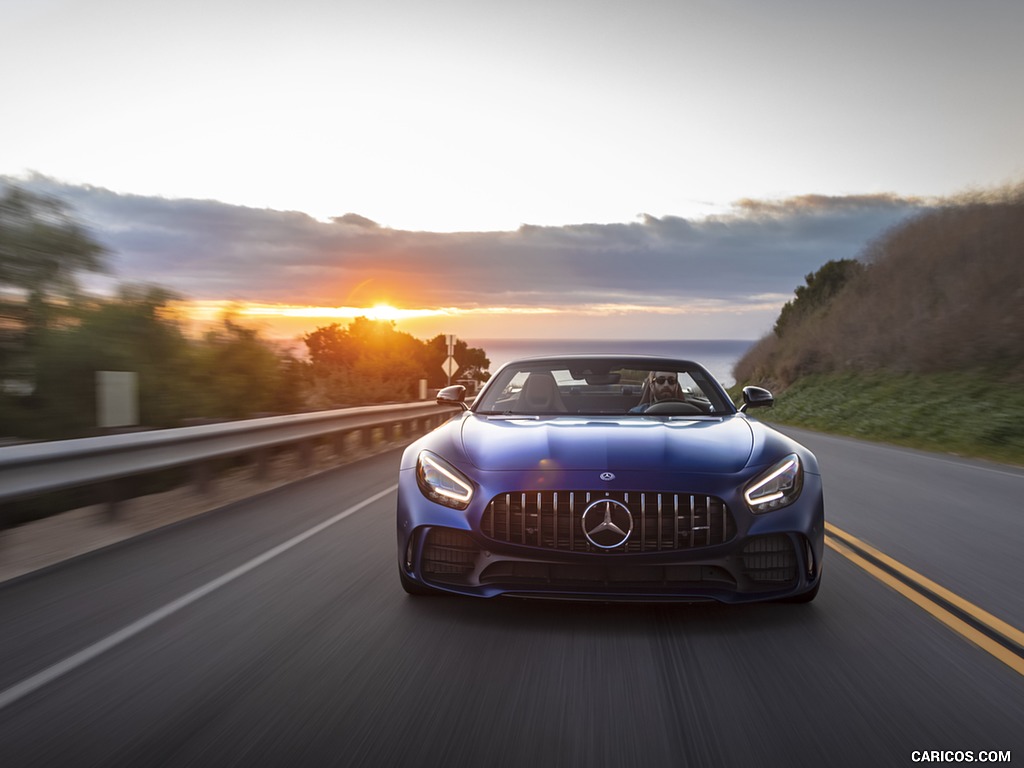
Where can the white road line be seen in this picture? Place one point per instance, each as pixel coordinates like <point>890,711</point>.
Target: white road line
<point>38,680</point>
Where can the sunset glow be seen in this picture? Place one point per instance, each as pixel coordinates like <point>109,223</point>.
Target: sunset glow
<point>288,321</point>
<point>208,311</point>
<point>581,172</point>
<point>376,312</point>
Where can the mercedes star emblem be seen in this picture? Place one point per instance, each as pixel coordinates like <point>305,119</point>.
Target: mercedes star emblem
<point>607,476</point>
<point>607,523</point>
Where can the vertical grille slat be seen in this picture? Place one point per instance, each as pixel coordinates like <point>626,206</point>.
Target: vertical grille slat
<point>572,522</point>
<point>643,520</point>
<point>659,522</point>
<point>522,518</point>
<point>540,523</point>
<point>708,508</point>
<point>554,516</point>
<point>554,520</point>
<point>693,501</point>
<point>675,520</point>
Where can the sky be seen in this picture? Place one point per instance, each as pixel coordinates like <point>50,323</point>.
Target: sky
<point>557,168</point>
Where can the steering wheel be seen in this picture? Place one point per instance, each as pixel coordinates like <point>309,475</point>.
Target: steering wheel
<point>674,407</point>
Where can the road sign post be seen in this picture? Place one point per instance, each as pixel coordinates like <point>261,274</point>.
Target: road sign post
<point>451,365</point>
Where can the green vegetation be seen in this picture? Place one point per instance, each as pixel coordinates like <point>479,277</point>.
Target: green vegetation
<point>812,298</point>
<point>53,340</point>
<point>970,415</point>
<point>371,362</point>
<point>921,343</point>
<point>42,250</point>
<point>228,373</point>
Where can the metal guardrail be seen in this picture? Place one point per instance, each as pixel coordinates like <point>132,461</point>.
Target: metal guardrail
<point>37,468</point>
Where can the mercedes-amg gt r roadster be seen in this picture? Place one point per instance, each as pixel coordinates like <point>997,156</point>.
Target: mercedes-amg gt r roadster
<point>609,478</point>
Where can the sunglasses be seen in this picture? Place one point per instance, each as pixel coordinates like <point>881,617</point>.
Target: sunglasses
<point>665,380</point>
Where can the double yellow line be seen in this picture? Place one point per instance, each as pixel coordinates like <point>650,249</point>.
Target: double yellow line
<point>989,633</point>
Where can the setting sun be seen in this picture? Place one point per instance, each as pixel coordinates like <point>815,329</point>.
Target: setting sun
<point>599,320</point>
<point>386,312</point>
<point>208,310</point>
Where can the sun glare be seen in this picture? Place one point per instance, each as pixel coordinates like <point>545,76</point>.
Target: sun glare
<point>379,311</point>
<point>292,321</point>
<point>385,312</point>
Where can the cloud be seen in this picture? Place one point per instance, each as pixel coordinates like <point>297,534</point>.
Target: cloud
<point>207,250</point>
<point>356,220</point>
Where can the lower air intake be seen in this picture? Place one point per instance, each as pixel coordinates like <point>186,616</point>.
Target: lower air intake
<point>770,561</point>
<point>449,556</point>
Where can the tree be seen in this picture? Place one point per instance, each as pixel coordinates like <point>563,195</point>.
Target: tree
<point>134,332</point>
<point>42,250</point>
<point>236,374</point>
<point>367,362</point>
<point>229,373</point>
<point>473,361</point>
<point>821,287</point>
<point>330,349</point>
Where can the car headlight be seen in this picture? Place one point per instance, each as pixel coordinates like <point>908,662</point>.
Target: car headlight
<point>441,482</point>
<point>776,487</point>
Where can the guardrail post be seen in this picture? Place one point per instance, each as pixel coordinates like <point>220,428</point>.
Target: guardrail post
<point>114,494</point>
<point>261,467</point>
<point>202,477</point>
<point>306,455</point>
<point>338,442</point>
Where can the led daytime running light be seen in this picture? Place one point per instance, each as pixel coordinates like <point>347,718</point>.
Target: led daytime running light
<point>446,486</point>
<point>779,487</point>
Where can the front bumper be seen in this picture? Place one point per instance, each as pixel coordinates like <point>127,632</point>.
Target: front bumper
<point>762,557</point>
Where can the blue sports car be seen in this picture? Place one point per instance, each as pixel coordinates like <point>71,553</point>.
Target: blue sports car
<point>609,478</point>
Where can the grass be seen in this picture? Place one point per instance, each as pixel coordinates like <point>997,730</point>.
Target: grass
<point>966,414</point>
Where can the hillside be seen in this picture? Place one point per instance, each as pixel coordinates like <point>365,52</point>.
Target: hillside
<point>918,342</point>
<point>941,292</point>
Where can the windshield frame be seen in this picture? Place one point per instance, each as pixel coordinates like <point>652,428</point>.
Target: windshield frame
<point>604,372</point>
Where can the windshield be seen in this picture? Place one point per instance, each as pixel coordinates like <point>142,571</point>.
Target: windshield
<point>603,386</point>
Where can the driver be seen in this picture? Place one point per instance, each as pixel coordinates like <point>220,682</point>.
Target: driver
<point>659,386</point>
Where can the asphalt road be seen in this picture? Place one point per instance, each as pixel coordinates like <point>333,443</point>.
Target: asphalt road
<point>250,636</point>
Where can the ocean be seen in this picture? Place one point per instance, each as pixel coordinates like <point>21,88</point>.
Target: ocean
<point>718,356</point>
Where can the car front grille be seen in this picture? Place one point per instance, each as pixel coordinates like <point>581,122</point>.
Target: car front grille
<point>660,521</point>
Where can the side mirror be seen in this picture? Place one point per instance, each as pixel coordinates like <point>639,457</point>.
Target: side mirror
<point>453,395</point>
<point>756,397</point>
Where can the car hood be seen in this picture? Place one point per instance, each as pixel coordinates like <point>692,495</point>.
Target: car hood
<point>721,445</point>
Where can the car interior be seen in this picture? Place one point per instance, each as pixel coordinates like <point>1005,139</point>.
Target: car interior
<point>584,392</point>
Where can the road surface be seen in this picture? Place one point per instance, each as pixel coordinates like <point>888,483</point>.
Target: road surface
<point>274,632</point>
